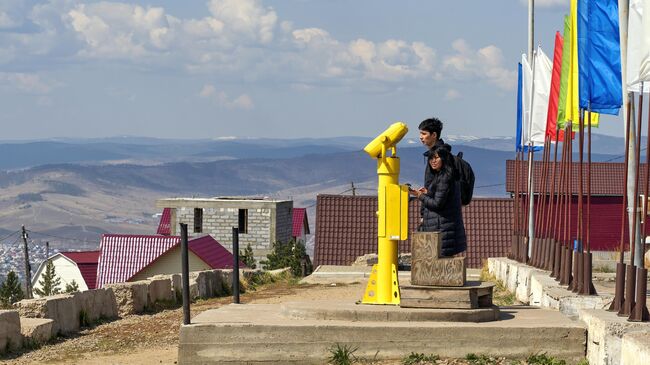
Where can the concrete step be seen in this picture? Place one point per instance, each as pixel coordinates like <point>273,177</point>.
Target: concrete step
<point>262,334</point>
<point>347,311</point>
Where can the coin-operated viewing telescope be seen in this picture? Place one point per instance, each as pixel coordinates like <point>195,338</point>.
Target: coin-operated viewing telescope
<point>392,215</point>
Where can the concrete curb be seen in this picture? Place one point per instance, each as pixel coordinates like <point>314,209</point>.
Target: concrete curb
<point>612,339</point>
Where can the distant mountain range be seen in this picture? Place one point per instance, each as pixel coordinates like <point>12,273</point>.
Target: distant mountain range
<point>81,188</point>
<point>151,151</point>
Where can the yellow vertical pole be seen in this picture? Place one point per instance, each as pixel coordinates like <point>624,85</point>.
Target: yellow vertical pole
<point>387,289</point>
<point>392,217</point>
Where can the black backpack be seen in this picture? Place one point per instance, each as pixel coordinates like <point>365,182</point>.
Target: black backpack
<point>466,178</point>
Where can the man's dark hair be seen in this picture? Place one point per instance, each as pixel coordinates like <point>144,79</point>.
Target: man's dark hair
<point>431,125</point>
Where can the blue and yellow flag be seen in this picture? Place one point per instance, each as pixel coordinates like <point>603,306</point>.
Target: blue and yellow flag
<point>572,110</point>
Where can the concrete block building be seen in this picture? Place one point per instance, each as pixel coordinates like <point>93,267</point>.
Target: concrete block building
<point>263,221</point>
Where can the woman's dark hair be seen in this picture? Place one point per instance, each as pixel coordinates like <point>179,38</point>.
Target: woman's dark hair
<point>445,156</point>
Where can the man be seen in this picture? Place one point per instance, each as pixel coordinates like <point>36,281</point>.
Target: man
<point>430,130</point>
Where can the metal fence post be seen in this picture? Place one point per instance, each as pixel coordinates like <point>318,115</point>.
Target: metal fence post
<point>235,266</point>
<point>185,274</point>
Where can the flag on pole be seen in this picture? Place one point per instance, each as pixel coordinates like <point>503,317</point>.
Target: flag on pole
<point>573,102</point>
<point>634,47</point>
<point>543,69</point>
<point>518,145</point>
<point>554,93</point>
<point>564,74</point>
<point>599,56</point>
<point>524,106</point>
<point>644,67</point>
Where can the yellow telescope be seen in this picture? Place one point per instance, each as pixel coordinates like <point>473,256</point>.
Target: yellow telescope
<point>392,217</point>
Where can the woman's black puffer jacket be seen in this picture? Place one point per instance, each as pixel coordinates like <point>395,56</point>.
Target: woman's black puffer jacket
<point>442,211</point>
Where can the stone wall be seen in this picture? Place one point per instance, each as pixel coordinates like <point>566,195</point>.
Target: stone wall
<point>10,337</point>
<point>62,314</point>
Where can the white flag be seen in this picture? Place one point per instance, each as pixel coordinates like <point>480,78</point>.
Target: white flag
<point>542,85</point>
<point>644,66</point>
<point>635,45</point>
<point>527,91</point>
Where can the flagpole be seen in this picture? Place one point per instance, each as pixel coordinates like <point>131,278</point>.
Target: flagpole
<point>531,158</point>
<point>630,283</point>
<point>531,29</point>
<point>551,210</point>
<point>619,298</point>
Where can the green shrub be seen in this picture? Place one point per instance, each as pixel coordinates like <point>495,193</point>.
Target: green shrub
<point>247,257</point>
<point>11,290</point>
<point>292,254</point>
<point>418,359</point>
<point>474,359</point>
<point>84,320</point>
<point>544,359</point>
<point>342,354</point>
<point>72,287</point>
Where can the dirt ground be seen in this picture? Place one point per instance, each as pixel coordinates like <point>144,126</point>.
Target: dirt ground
<point>153,338</point>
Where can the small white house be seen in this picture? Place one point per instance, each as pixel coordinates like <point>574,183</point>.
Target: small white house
<point>80,267</point>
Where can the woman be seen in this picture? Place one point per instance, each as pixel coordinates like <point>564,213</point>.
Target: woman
<point>441,207</point>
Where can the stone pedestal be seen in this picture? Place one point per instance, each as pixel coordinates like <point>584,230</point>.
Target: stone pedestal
<point>428,268</point>
<point>474,295</point>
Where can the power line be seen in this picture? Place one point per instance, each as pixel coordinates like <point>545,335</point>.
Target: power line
<point>5,237</point>
<point>59,237</point>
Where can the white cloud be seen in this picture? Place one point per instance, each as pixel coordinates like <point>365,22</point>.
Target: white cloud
<point>6,21</point>
<point>452,94</point>
<point>116,30</point>
<point>245,18</point>
<point>482,64</point>
<point>26,82</point>
<point>242,39</point>
<point>242,101</point>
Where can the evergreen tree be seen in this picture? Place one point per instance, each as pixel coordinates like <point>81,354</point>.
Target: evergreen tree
<point>11,291</point>
<point>291,254</point>
<point>50,282</point>
<point>72,287</point>
<point>247,257</point>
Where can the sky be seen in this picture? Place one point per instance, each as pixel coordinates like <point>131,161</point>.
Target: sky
<point>264,68</point>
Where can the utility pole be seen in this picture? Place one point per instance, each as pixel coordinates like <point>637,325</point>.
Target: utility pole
<point>354,190</point>
<point>28,269</point>
<point>47,250</point>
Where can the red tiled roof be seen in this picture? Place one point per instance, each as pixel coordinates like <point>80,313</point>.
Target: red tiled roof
<point>83,257</point>
<point>346,228</point>
<point>122,256</point>
<point>212,252</point>
<point>300,221</point>
<point>87,263</point>
<point>606,177</point>
<point>164,227</point>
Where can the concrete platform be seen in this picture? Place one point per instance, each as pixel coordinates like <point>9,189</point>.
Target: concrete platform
<point>339,274</point>
<point>265,334</point>
<point>344,311</point>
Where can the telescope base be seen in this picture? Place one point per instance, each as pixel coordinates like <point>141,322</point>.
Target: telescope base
<point>382,293</point>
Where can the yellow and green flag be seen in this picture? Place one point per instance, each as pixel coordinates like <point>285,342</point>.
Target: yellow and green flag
<point>571,110</point>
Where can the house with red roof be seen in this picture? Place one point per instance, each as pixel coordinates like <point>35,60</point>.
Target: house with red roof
<point>300,224</point>
<point>126,257</point>
<point>80,267</point>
